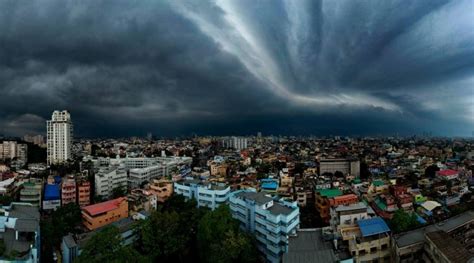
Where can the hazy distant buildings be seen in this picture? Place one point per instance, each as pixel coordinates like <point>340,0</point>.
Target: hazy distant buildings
<point>11,149</point>
<point>59,137</point>
<point>346,166</point>
<point>35,139</point>
<point>238,143</point>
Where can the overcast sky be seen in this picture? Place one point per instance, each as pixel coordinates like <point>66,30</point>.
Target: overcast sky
<point>124,67</point>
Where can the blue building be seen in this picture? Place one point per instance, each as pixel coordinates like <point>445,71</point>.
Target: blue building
<point>271,221</point>
<point>52,197</point>
<point>206,194</point>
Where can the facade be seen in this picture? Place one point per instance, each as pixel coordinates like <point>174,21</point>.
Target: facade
<point>272,222</point>
<point>11,149</point>
<point>162,189</point>
<point>68,190</point>
<point>106,180</point>
<point>31,192</point>
<point>20,233</point>
<point>322,201</point>
<point>105,213</point>
<point>52,197</point>
<point>71,245</point>
<point>209,195</point>
<point>83,192</point>
<point>440,247</point>
<point>137,176</point>
<point>345,166</point>
<point>237,143</point>
<point>59,137</point>
<point>368,241</point>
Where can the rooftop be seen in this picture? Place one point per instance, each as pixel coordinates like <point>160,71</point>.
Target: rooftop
<point>449,247</point>
<point>329,193</point>
<point>278,209</point>
<point>259,198</point>
<point>51,192</point>
<point>104,206</point>
<point>447,172</point>
<point>372,226</point>
<point>360,205</point>
<point>309,246</point>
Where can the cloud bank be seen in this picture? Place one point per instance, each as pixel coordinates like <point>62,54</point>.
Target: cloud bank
<point>237,67</point>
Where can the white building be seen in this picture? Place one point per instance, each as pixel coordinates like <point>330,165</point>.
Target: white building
<point>345,166</point>
<point>238,143</point>
<point>271,221</point>
<point>110,178</point>
<point>139,175</point>
<point>59,137</point>
<point>206,194</point>
<point>12,149</point>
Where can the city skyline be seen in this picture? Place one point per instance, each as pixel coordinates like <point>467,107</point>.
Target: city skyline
<point>237,68</point>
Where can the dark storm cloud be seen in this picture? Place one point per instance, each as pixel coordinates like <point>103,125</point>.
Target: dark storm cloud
<point>176,67</point>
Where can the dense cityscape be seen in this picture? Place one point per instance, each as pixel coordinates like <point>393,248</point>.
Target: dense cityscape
<point>251,198</point>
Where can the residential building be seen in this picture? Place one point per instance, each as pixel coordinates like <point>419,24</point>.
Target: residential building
<point>206,194</point>
<point>31,192</point>
<point>369,241</point>
<point>110,178</point>
<point>162,189</point>
<point>59,137</point>
<point>322,201</point>
<point>11,149</point>
<point>441,247</point>
<point>271,221</point>
<point>308,246</point>
<point>138,176</point>
<point>140,199</point>
<point>347,215</point>
<point>345,166</point>
<point>83,191</point>
<point>237,143</point>
<point>20,233</point>
<point>105,213</point>
<point>447,174</point>
<point>68,190</point>
<point>52,197</point>
<point>72,244</point>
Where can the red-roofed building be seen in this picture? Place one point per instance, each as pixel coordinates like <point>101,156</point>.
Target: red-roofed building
<point>101,214</point>
<point>447,174</point>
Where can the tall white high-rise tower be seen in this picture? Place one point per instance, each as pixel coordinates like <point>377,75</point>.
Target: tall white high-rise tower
<point>59,131</point>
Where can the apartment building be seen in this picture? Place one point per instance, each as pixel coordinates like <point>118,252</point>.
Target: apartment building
<point>83,192</point>
<point>368,241</point>
<point>107,179</point>
<point>162,189</point>
<point>272,222</point>
<point>347,215</point>
<point>345,166</point>
<point>59,137</point>
<point>32,192</point>
<point>441,247</point>
<point>102,214</point>
<point>138,176</point>
<point>12,149</point>
<point>206,194</point>
<point>20,233</point>
<point>327,198</point>
<point>68,190</point>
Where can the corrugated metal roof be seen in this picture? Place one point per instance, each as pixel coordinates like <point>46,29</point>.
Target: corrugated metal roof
<point>372,226</point>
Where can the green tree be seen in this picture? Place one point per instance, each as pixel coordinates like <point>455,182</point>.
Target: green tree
<point>106,246</point>
<point>220,239</point>
<point>403,221</point>
<point>66,219</point>
<point>119,192</point>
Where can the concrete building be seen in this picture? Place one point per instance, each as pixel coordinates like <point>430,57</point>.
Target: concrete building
<point>11,149</point>
<point>345,166</point>
<point>162,189</point>
<point>105,213</point>
<point>31,192</point>
<point>347,215</point>
<point>83,192</point>
<point>206,194</point>
<point>237,143</point>
<point>59,137</point>
<point>369,241</point>
<point>52,197</point>
<point>410,246</point>
<point>441,247</point>
<point>107,179</point>
<point>272,222</point>
<point>72,244</point>
<point>68,190</point>
<point>309,247</point>
<point>137,176</point>
<point>20,233</point>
